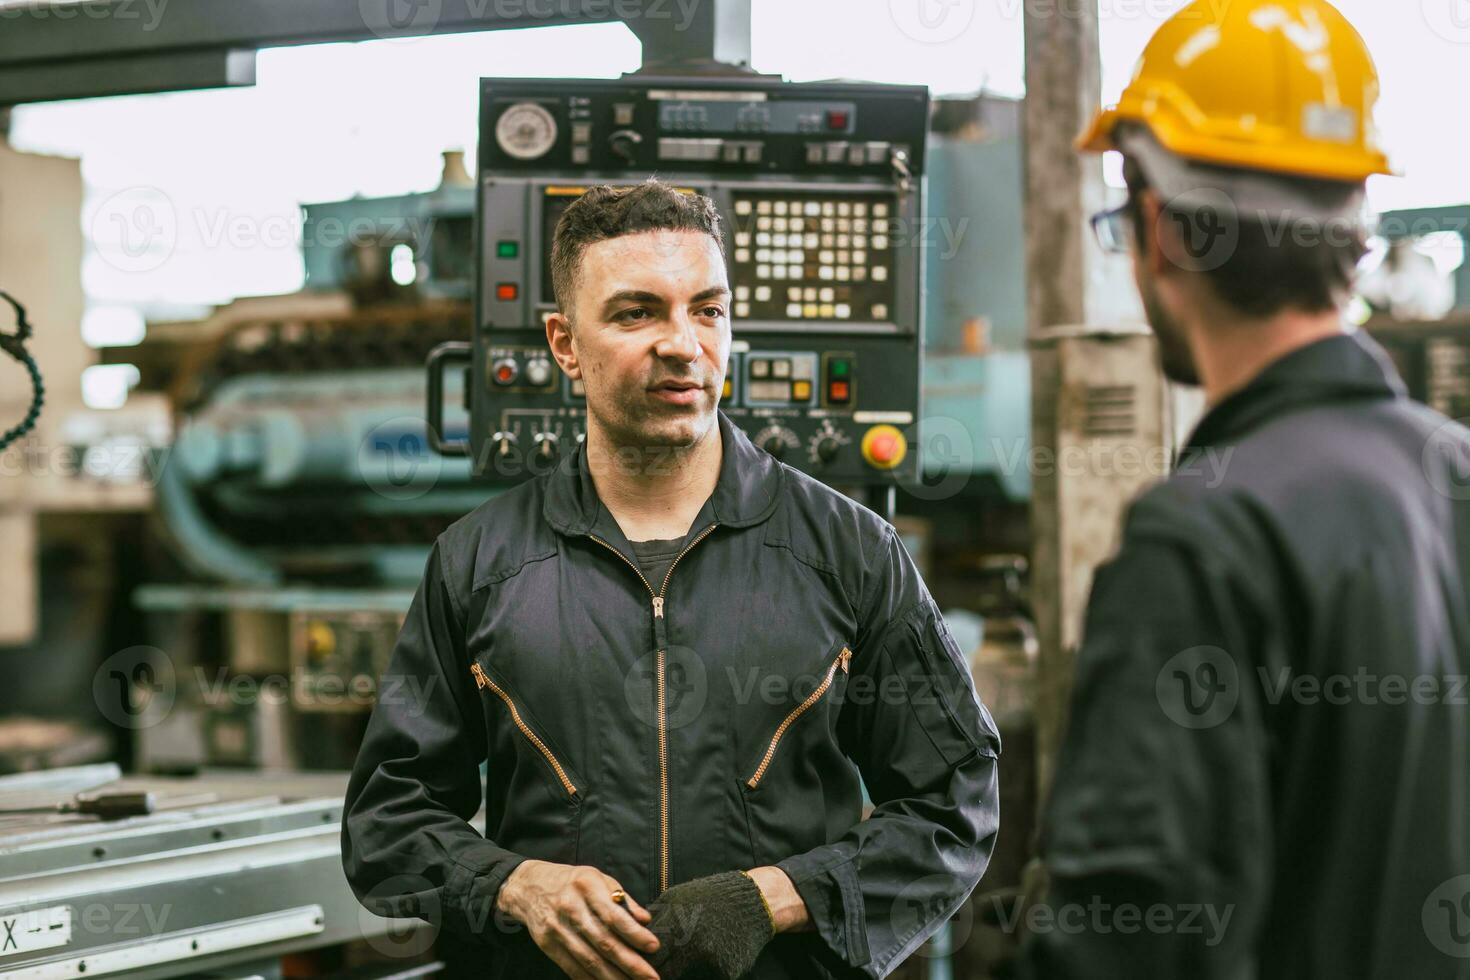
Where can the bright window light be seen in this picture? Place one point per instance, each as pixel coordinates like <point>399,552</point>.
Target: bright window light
<point>401,265</point>
<point>112,326</point>
<point>107,385</point>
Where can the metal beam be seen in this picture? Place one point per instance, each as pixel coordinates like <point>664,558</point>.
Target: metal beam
<point>126,76</point>
<point>87,45</point>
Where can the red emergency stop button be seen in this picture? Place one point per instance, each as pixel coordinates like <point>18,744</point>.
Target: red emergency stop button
<point>884,447</point>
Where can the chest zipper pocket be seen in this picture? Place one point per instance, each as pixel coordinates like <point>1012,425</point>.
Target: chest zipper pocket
<point>840,662</point>
<point>483,681</point>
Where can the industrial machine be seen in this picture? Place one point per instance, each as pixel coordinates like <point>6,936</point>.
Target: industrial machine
<point>821,189</point>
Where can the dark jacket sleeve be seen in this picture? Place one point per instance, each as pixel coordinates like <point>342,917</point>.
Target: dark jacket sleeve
<point>927,750</point>
<point>1156,836</point>
<point>407,845</point>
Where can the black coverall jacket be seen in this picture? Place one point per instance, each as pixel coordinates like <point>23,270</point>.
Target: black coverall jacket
<point>663,731</point>
<point>1269,747</point>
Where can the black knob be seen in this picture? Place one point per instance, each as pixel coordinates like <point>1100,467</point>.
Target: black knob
<point>774,445</point>
<point>624,144</point>
<point>827,448</point>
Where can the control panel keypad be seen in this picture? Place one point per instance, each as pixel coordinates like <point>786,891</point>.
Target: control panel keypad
<point>813,256</point>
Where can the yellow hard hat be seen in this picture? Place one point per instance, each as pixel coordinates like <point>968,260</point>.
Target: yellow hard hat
<point>1285,86</point>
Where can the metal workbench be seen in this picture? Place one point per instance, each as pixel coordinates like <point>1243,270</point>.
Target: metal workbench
<point>231,868</point>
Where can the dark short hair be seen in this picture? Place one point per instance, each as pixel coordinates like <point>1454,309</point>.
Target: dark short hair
<point>610,212</point>
<point>1270,269</point>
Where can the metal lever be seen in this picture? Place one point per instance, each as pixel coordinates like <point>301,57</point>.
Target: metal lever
<point>899,160</point>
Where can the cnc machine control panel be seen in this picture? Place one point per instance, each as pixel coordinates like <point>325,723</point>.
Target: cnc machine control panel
<point>820,191</point>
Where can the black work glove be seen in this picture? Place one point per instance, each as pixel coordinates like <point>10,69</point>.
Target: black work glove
<point>710,928</point>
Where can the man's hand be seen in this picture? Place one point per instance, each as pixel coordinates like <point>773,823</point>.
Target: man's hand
<point>784,901</point>
<point>569,912</point>
<point>711,928</point>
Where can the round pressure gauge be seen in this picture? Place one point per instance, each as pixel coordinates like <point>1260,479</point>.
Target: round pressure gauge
<point>525,131</point>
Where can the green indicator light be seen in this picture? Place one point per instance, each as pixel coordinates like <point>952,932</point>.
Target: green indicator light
<point>839,369</point>
<point>507,250</point>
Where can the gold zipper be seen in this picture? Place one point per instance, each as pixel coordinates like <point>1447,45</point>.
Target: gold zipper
<point>663,735</point>
<point>483,681</point>
<point>842,661</point>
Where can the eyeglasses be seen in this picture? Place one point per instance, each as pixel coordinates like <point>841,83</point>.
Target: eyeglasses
<point>1114,230</point>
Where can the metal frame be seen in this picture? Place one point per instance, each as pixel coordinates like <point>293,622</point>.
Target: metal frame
<point>56,49</point>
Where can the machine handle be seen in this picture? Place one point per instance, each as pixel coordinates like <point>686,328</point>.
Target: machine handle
<point>452,351</point>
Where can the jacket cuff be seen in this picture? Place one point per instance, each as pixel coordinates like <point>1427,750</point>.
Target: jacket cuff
<point>833,900</point>
<point>472,894</point>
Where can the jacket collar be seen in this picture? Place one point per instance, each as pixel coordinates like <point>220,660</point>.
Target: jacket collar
<point>745,493</point>
<point>1335,369</point>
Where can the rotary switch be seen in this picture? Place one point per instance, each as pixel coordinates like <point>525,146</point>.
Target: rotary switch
<point>777,440</point>
<point>826,443</point>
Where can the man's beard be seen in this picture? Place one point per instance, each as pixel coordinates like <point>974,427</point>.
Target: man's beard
<point>639,423</point>
<point>1174,354</point>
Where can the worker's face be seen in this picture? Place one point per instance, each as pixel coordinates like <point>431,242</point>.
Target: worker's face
<point>649,336</point>
<point>1161,288</point>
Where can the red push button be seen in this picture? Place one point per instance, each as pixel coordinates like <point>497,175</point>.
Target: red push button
<point>836,119</point>
<point>506,291</point>
<point>884,447</point>
<point>838,391</point>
